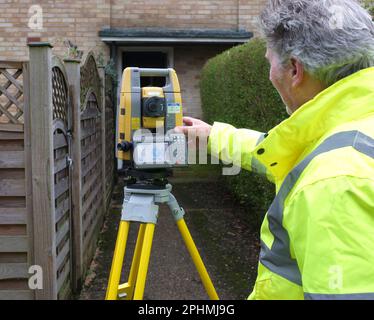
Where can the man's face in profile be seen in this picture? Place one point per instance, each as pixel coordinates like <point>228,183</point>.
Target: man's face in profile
<point>280,79</point>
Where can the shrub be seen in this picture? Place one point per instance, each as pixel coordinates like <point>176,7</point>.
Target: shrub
<point>235,89</point>
<point>369,5</point>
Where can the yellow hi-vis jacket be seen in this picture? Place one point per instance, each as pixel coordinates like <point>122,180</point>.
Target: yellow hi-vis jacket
<point>317,238</point>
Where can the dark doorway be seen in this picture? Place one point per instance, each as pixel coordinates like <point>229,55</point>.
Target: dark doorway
<point>146,59</point>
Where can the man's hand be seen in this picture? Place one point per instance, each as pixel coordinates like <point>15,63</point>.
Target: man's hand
<point>195,126</point>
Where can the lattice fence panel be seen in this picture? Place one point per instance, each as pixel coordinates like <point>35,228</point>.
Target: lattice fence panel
<point>90,80</point>
<point>11,93</point>
<point>59,95</point>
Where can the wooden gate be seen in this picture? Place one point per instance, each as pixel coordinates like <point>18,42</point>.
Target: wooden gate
<point>91,156</point>
<point>62,180</point>
<point>92,193</point>
<point>109,149</point>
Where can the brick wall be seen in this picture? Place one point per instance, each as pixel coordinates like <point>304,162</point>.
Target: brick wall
<point>249,13</point>
<point>188,62</point>
<point>80,21</point>
<point>175,13</point>
<point>226,14</point>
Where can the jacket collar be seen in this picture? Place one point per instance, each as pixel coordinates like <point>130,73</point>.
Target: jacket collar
<point>349,99</point>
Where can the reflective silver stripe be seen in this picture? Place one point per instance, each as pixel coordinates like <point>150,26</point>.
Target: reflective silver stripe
<point>348,296</point>
<point>257,166</point>
<point>280,265</point>
<point>260,139</point>
<point>364,144</point>
<point>278,258</point>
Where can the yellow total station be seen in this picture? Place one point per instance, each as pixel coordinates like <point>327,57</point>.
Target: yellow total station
<point>146,107</point>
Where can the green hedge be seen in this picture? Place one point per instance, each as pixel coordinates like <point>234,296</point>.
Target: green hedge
<point>369,5</point>
<point>235,89</point>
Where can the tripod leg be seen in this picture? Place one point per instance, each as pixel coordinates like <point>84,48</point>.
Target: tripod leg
<point>144,261</point>
<point>129,287</point>
<point>119,253</point>
<point>191,247</point>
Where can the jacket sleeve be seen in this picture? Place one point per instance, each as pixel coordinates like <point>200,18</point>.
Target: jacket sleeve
<point>331,228</point>
<point>235,146</point>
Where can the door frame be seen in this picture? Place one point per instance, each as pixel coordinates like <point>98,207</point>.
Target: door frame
<point>120,50</point>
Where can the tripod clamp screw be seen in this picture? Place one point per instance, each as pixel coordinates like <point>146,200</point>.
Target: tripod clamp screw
<point>178,212</point>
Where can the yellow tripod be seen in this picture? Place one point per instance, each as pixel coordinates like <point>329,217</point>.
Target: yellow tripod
<point>140,206</point>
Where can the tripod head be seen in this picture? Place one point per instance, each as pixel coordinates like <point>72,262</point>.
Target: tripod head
<point>146,179</point>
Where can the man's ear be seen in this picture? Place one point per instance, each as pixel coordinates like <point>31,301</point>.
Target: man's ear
<point>297,70</point>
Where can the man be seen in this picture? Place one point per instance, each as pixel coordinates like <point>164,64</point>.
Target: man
<point>317,238</point>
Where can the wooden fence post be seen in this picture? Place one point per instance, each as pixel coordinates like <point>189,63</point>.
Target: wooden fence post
<point>72,67</point>
<point>101,69</point>
<point>28,163</point>
<point>41,123</point>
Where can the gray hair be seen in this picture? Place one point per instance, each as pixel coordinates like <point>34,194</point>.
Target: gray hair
<point>331,38</point>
